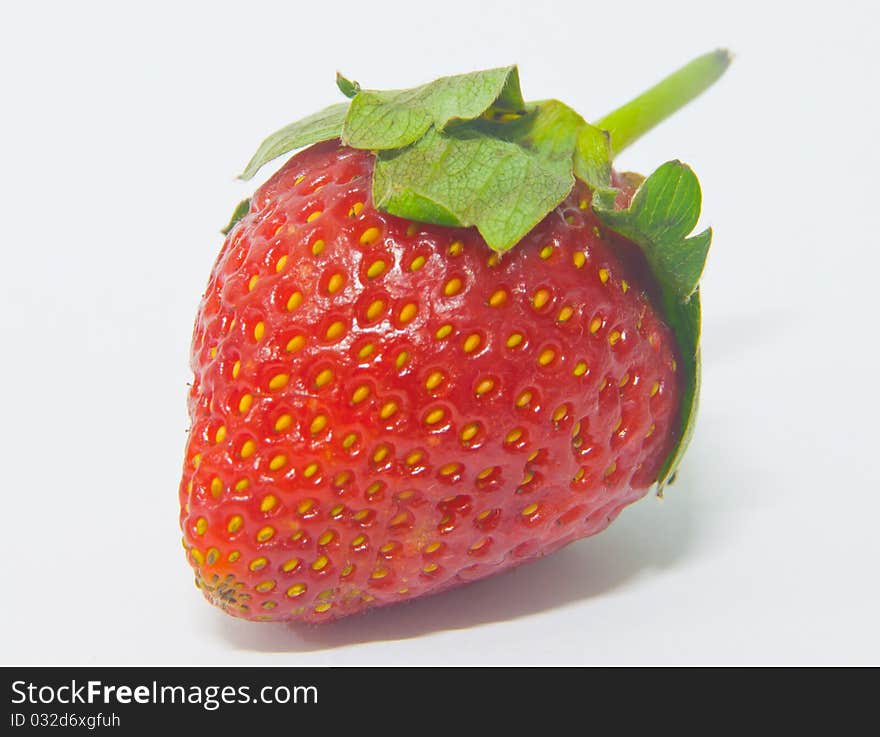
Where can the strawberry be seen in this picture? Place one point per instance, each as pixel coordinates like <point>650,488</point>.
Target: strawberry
<point>395,393</point>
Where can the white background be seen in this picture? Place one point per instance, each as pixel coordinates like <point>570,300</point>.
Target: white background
<point>122,130</point>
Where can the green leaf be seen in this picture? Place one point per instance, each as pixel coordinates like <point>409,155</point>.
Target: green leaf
<point>547,128</point>
<point>559,132</point>
<point>502,172</point>
<point>346,86</point>
<point>663,211</point>
<point>322,126</point>
<point>551,130</point>
<point>383,120</point>
<point>464,177</point>
<point>592,164</point>
<point>241,209</point>
<point>554,131</point>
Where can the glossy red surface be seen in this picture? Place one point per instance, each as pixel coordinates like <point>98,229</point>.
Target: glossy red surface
<point>383,410</point>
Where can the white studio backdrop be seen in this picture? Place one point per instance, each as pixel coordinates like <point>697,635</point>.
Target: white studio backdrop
<point>123,128</point>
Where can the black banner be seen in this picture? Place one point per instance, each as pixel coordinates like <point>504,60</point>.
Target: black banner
<point>349,702</point>
<point>238,700</point>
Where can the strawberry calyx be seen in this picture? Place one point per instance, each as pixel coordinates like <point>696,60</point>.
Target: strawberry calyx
<point>468,150</point>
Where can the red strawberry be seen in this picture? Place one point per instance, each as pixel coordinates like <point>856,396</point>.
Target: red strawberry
<point>384,408</point>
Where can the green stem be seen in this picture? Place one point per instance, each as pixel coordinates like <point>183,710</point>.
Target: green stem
<point>631,121</point>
